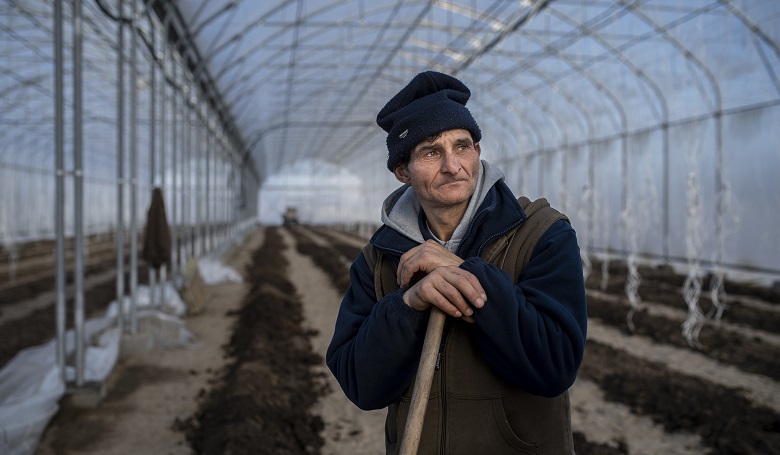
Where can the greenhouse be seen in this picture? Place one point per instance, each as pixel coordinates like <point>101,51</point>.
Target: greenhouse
<point>156,152</point>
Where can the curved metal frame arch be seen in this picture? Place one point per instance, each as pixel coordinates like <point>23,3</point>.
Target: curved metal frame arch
<point>283,49</point>
<point>559,122</point>
<point>664,121</point>
<point>757,31</point>
<point>618,108</point>
<point>261,45</point>
<point>717,116</point>
<point>454,71</point>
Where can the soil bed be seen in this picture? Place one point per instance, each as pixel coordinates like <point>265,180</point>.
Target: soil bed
<point>261,403</point>
<point>39,326</point>
<point>749,354</point>
<point>662,286</point>
<point>727,422</point>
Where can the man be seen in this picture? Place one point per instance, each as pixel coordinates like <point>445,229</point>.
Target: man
<point>510,350</point>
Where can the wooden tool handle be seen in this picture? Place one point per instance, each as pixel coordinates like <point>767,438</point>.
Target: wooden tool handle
<point>422,383</point>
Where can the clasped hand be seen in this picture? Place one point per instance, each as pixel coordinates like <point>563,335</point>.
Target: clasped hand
<point>445,285</point>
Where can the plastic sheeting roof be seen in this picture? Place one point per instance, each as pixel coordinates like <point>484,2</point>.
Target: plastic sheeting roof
<point>304,79</point>
<point>652,124</point>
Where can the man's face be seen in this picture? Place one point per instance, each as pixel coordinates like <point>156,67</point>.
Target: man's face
<point>443,172</point>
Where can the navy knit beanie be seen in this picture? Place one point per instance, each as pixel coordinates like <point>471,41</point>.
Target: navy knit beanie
<point>431,103</point>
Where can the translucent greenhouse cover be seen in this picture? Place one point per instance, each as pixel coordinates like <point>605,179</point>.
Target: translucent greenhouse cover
<point>305,79</point>
<point>652,124</point>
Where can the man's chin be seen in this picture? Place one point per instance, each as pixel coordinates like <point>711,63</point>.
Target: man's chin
<point>450,199</point>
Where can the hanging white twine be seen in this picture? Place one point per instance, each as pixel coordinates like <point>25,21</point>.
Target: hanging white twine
<point>586,215</point>
<point>633,280</point>
<point>600,213</point>
<point>718,294</point>
<point>636,225</point>
<point>692,286</point>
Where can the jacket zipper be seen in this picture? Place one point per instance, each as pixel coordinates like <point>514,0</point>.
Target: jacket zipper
<point>442,382</point>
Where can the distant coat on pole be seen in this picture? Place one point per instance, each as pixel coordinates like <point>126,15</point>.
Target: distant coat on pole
<point>157,237</point>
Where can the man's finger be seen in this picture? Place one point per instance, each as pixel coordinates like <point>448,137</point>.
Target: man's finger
<point>468,286</point>
<point>439,293</point>
<point>454,287</point>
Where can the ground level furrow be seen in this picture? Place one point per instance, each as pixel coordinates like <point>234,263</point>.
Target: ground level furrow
<point>615,425</point>
<point>666,311</point>
<point>759,389</point>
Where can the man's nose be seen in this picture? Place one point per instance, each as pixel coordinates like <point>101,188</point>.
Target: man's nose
<point>451,164</point>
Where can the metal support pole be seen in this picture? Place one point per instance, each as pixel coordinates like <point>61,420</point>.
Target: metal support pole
<point>163,131</point>
<point>191,155</point>
<point>198,190</point>
<point>187,184</point>
<point>78,183</point>
<point>624,198</point>
<point>133,179</point>
<point>59,198</point>
<point>119,239</point>
<point>666,192</point>
<point>234,200</point>
<point>218,192</point>
<point>174,176</point>
<point>236,184</point>
<point>183,154</point>
<point>152,143</point>
<point>229,201</point>
<point>223,200</point>
<point>209,151</point>
<point>152,108</point>
<point>163,110</point>
<point>226,198</point>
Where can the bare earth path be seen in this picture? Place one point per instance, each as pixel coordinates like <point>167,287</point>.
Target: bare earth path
<point>147,393</point>
<point>348,430</point>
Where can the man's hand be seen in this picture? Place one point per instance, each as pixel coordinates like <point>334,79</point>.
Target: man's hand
<point>424,259</point>
<point>445,284</point>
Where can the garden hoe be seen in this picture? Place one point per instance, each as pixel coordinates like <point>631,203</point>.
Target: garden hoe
<point>422,384</point>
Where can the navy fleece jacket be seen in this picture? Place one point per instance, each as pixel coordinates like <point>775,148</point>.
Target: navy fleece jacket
<point>532,333</point>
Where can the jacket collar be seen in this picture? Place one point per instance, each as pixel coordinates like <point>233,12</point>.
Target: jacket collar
<point>498,214</point>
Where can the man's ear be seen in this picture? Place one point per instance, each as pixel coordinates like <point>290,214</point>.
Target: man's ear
<point>478,148</point>
<point>402,174</point>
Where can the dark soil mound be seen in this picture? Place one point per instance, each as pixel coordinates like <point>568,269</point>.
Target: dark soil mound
<point>261,405</point>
